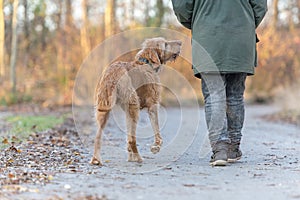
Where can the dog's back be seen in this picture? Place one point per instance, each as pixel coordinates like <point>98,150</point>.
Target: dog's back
<point>118,85</point>
<point>106,90</point>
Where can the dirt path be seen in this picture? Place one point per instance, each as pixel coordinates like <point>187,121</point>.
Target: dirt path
<point>270,168</point>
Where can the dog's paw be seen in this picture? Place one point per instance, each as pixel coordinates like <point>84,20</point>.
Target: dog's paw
<point>95,161</point>
<point>155,149</point>
<point>134,157</point>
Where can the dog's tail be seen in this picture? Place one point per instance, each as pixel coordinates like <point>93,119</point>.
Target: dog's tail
<point>105,98</point>
<point>106,90</point>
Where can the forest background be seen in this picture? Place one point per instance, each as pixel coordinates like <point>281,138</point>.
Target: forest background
<point>44,42</point>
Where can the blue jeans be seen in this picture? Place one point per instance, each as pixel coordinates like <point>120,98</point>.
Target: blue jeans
<point>224,106</point>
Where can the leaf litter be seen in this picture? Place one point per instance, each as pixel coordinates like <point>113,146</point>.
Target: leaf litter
<point>37,160</point>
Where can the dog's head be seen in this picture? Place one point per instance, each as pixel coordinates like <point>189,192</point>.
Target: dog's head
<point>158,51</point>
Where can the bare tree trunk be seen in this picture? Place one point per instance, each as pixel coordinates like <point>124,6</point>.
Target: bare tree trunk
<point>26,34</point>
<point>14,47</point>
<point>85,42</point>
<point>132,18</point>
<point>58,22</point>
<point>298,7</point>
<point>110,17</point>
<point>69,18</point>
<point>43,22</point>
<point>291,5</point>
<point>58,15</point>
<point>2,39</point>
<point>64,41</point>
<point>26,25</point>
<point>147,16</point>
<point>160,12</point>
<point>65,37</point>
<point>275,14</point>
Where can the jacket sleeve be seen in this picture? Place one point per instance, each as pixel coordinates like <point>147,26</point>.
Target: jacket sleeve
<point>184,11</point>
<point>260,9</point>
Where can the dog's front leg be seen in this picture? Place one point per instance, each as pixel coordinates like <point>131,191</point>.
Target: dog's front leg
<point>153,115</point>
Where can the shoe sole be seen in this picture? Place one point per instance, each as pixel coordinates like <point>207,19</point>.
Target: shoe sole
<point>219,163</point>
<point>233,160</point>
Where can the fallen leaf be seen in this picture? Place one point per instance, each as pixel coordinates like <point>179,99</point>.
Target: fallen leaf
<point>189,185</point>
<point>50,177</point>
<point>13,148</point>
<point>76,153</point>
<point>14,188</point>
<point>69,162</point>
<point>35,190</point>
<point>268,143</point>
<point>11,175</point>
<point>5,141</point>
<point>14,138</point>
<point>258,175</point>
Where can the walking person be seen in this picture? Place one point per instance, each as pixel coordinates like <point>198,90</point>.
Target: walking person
<point>224,54</point>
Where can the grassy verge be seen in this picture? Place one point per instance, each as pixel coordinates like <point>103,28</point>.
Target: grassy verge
<point>23,126</point>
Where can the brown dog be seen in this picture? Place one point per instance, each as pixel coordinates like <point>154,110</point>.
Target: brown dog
<point>134,86</point>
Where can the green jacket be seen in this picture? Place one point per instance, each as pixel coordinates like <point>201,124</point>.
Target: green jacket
<point>223,33</point>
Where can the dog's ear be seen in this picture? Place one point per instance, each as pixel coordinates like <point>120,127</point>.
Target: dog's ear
<point>161,49</point>
<point>153,50</point>
<point>151,54</point>
<point>154,56</point>
<point>159,46</point>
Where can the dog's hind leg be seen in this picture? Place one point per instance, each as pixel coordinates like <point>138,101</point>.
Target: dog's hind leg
<point>153,115</point>
<point>102,117</point>
<point>132,115</point>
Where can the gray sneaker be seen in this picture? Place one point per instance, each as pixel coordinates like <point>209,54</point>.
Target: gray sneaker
<point>234,153</point>
<point>219,157</point>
